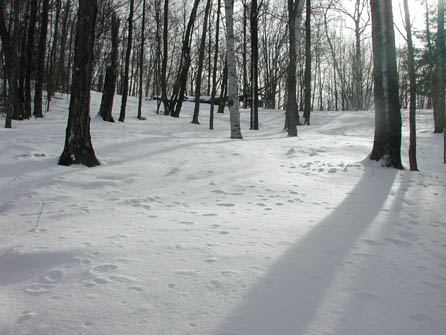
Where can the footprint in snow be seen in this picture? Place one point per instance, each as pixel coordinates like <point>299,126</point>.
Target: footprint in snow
<point>39,288</point>
<point>103,268</point>
<point>51,277</point>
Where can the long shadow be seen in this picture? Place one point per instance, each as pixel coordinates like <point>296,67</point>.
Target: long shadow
<point>285,300</point>
<point>16,267</point>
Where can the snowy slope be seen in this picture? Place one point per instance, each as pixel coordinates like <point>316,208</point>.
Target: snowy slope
<point>184,231</point>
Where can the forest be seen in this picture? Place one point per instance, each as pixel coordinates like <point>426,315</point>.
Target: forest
<point>216,167</point>
<point>296,55</point>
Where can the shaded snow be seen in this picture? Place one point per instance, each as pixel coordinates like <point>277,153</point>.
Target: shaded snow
<point>184,231</point>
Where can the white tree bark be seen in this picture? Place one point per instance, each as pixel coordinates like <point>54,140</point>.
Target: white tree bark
<point>233,100</point>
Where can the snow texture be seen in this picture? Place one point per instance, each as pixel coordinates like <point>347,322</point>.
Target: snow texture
<point>181,230</point>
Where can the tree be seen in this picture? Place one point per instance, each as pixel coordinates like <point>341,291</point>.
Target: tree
<point>78,148</point>
<point>141,60</point>
<point>200,63</point>
<point>233,100</point>
<point>214,74</point>
<point>439,106</point>
<point>387,141</point>
<point>413,92</point>
<point>29,53</point>
<point>294,18</point>
<point>41,61</point>
<point>307,99</point>
<point>111,73</point>
<point>179,88</point>
<point>125,80</point>
<point>15,108</point>
<point>254,66</point>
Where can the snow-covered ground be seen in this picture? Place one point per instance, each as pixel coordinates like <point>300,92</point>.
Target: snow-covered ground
<point>184,231</point>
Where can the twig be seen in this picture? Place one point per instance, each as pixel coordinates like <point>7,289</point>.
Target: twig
<point>38,217</point>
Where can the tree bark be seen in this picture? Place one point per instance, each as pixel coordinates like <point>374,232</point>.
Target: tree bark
<point>15,107</point>
<point>78,148</point>
<point>29,53</point>
<point>141,60</point>
<point>214,74</point>
<point>387,141</point>
<point>125,80</point>
<point>179,88</point>
<point>254,66</point>
<point>294,18</point>
<point>41,61</point>
<point>233,100</point>
<point>111,73</point>
<point>307,98</point>
<point>413,92</point>
<point>200,64</point>
<point>439,106</point>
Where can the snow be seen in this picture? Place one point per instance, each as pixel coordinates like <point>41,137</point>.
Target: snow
<point>181,230</point>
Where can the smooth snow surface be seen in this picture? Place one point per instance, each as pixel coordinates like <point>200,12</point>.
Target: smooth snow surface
<point>184,231</point>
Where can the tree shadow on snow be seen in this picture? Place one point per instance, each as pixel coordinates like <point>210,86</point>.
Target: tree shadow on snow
<point>286,299</point>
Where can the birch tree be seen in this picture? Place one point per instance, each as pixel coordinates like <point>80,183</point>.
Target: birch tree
<point>233,100</point>
<point>294,19</point>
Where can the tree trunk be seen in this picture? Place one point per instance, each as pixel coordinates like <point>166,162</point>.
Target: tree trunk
<point>413,92</point>
<point>294,17</point>
<point>52,57</point>
<point>307,99</point>
<point>179,88</point>
<point>223,89</point>
<point>78,148</point>
<point>214,74</point>
<point>125,80</point>
<point>439,106</point>
<point>61,80</point>
<point>141,60</point>
<point>233,100</point>
<point>41,61</point>
<point>387,142</point>
<point>254,66</point>
<point>200,63</point>
<point>29,53</point>
<point>14,108</point>
<point>111,73</point>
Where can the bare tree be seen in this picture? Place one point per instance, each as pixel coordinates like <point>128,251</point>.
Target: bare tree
<point>125,80</point>
<point>233,100</point>
<point>78,148</point>
<point>387,141</point>
<point>413,91</point>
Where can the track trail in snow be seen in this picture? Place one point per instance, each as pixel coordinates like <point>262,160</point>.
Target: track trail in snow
<point>183,231</point>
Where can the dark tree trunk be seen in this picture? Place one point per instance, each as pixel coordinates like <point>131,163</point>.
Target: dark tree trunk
<point>439,106</point>
<point>41,61</point>
<point>111,73</point>
<point>61,79</point>
<point>14,108</point>
<point>223,90</point>
<point>29,55</point>
<point>179,88</point>
<point>254,66</point>
<point>141,60</point>
<point>200,64</point>
<point>214,74</point>
<point>125,80</point>
<point>165,58</point>
<point>387,142</point>
<point>52,57</point>
<point>292,115</point>
<point>413,93</point>
<point>307,98</point>
<point>78,148</point>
